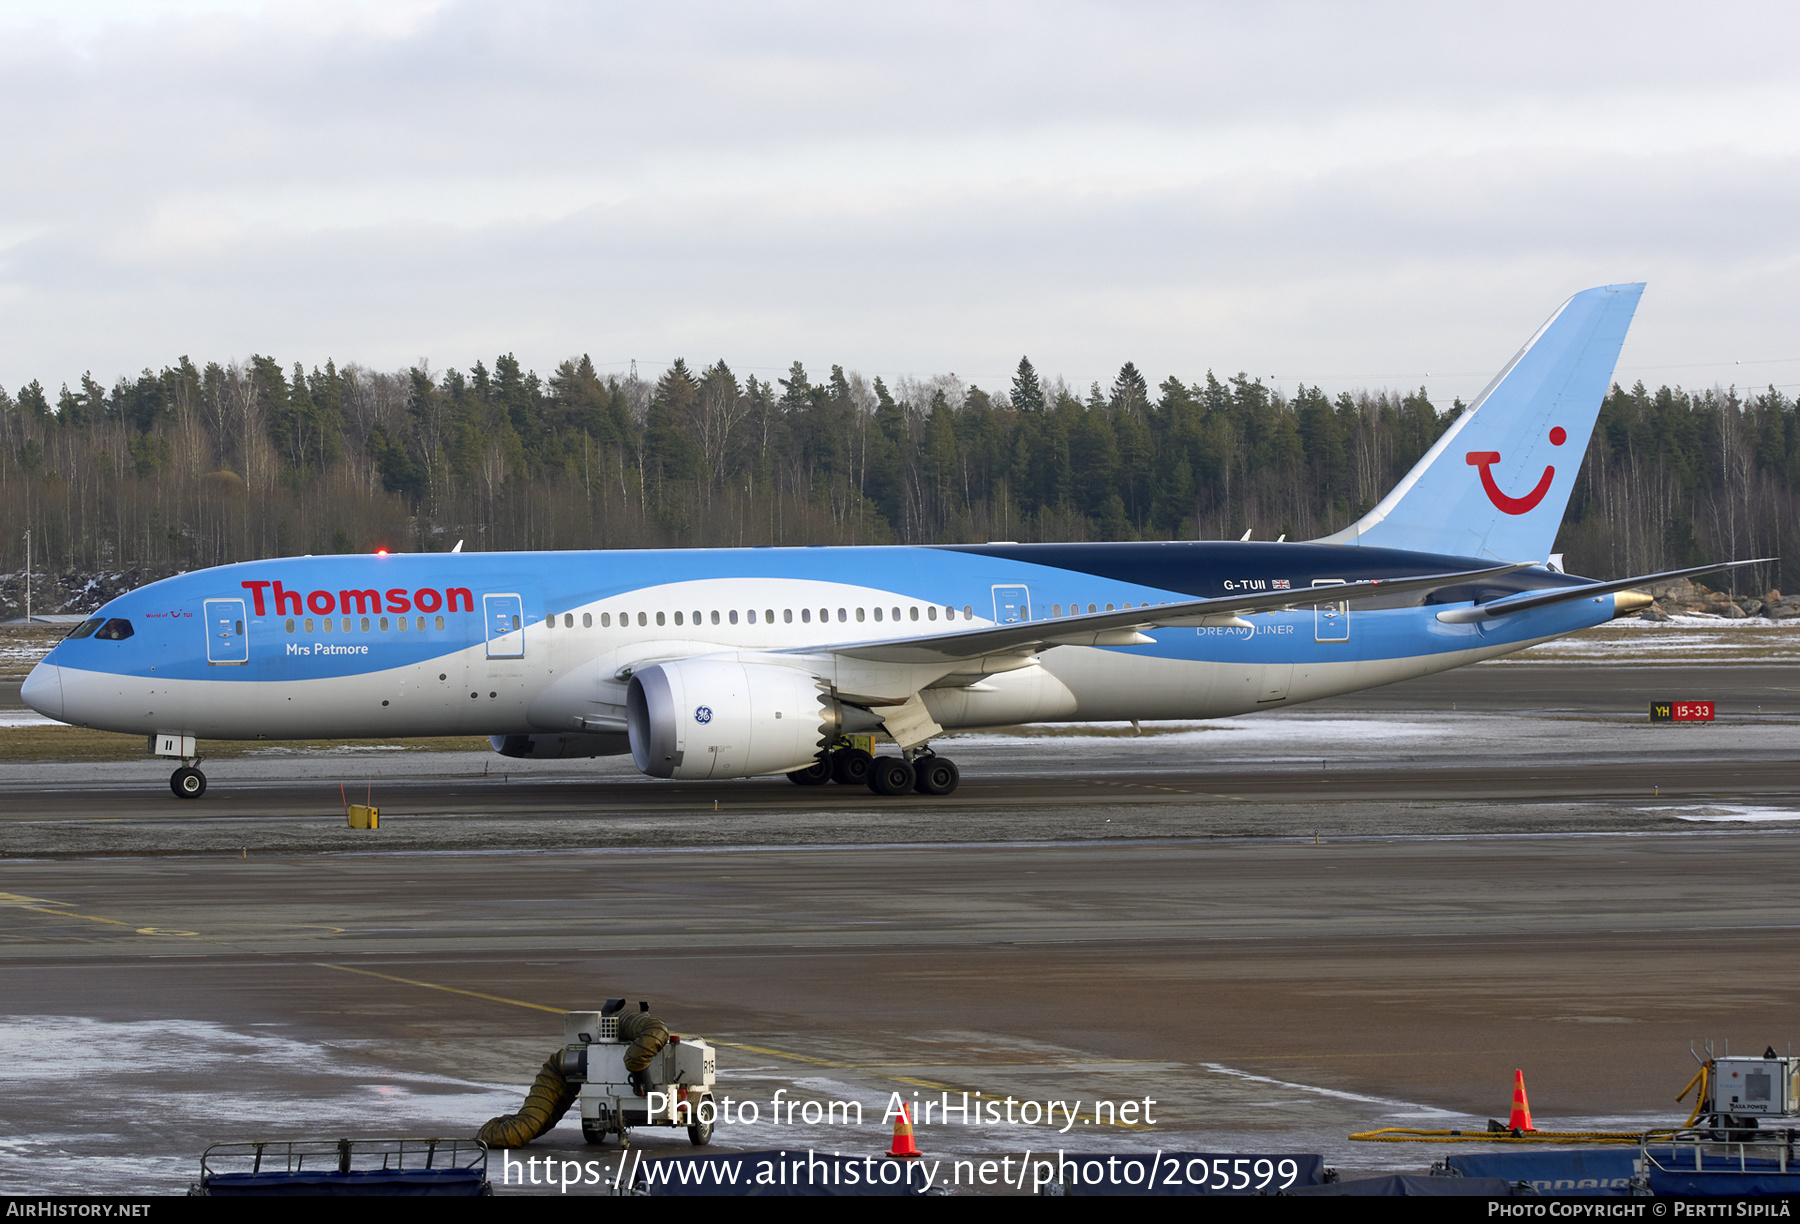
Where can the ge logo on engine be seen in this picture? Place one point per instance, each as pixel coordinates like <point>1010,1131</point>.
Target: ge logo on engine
<point>702,714</point>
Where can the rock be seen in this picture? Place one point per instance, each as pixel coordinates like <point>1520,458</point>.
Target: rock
<point>1729,611</point>
<point>1751,607</point>
<point>1653,613</point>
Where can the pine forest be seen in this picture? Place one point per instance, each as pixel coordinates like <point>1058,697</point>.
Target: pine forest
<point>195,466</point>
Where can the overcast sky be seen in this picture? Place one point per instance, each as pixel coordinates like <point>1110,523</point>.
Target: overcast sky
<point>1349,195</point>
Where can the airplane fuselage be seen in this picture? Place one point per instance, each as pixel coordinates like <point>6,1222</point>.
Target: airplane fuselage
<point>520,644</point>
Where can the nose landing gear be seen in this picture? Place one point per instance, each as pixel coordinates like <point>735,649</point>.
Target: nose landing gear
<point>187,783</point>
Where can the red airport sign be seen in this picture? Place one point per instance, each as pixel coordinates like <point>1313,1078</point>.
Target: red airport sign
<point>1681,711</point>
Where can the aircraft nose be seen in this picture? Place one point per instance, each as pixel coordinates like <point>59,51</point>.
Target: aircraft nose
<point>42,690</point>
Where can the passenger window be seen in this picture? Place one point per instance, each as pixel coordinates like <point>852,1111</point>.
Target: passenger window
<point>931,612</point>
<point>659,618</point>
<point>968,612</point>
<point>878,614</point>
<point>843,616</point>
<point>678,618</point>
<point>240,628</point>
<point>290,624</point>
<point>440,623</point>
<point>327,624</point>
<point>824,615</point>
<point>1109,607</point>
<point>859,614</point>
<point>896,614</point>
<point>697,619</point>
<point>309,624</point>
<point>420,624</point>
<point>1092,608</point>
<point>515,623</point>
<point>806,616</point>
<point>384,624</point>
<point>587,620</point>
<point>734,615</point>
<point>365,625</point>
<point>787,616</point>
<point>346,624</point>
<point>915,611</point>
<point>569,619</point>
<point>769,615</point>
<point>949,613</point>
<point>715,616</point>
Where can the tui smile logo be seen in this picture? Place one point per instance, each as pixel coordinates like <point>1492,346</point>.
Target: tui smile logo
<point>1514,505</point>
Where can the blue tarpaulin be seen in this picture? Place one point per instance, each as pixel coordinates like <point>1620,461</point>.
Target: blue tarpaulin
<point>1603,1171</point>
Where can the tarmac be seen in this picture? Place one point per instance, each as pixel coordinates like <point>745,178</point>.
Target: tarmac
<point>1279,929</point>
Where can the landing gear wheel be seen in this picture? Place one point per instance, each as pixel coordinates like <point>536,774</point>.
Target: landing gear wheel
<point>891,776</point>
<point>935,775</point>
<point>187,783</point>
<point>594,1131</point>
<point>816,774</point>
<point>701,1132</point>
<point>850,766</point>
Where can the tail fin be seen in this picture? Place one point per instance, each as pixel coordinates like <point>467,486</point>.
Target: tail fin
<point>1497,483</point>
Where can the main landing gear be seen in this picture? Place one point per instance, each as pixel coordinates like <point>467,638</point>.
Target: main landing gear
<point>187,783</point>
<point>918,770</point>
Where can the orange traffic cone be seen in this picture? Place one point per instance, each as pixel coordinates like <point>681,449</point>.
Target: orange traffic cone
<point>904,1148</point>
<point>1520,1118</point>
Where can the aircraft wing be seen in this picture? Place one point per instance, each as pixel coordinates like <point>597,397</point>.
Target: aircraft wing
<point>1125,626</point>
<point>1527,600</point>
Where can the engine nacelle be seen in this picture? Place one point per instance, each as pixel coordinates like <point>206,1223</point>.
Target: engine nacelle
<point>719,718</point>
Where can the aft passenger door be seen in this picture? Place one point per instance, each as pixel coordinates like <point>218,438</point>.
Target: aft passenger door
<point>504,616</point>
<point>227,642</point>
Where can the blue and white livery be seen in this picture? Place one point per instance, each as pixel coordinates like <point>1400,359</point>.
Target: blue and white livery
<point>734,663</point>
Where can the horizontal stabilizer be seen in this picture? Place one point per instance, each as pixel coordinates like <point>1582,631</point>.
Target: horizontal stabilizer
<point>1527,600</point>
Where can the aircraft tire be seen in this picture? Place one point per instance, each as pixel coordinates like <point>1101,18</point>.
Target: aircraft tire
<point>701,1132</point>
<point>187,783</point>
<point>816,774</point>
<point>850,767</point>
<point>891,776</point>
<point>936,775</point>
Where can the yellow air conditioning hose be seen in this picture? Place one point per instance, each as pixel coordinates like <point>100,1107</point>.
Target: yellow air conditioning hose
<point>546,1103</point>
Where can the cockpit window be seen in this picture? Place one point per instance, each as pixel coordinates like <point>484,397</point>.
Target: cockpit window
<point>84,629</point>
<point>115,630</point>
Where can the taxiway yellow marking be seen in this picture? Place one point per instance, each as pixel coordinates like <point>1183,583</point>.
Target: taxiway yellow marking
<point>17,902</point>
<point>805,1058</point>
<point>473,994</point>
